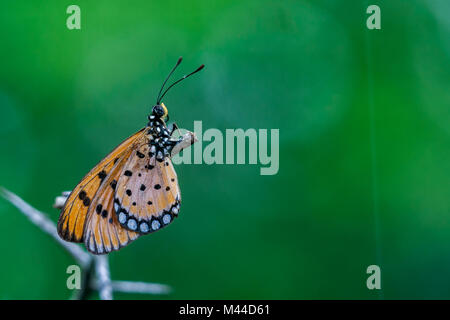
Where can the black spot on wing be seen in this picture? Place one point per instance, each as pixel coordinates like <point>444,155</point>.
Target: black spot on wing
<point>140,154</point>
<point>86,201</point>
<point>102,175</point>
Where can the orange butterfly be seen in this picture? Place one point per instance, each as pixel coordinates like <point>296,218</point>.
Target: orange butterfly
<point>132,191</point>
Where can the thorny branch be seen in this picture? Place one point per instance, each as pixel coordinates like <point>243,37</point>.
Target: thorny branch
<point>95,269</point>
<point>45,224</point>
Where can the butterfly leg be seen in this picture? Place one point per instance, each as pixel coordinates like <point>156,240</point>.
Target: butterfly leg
<point>174,127</point>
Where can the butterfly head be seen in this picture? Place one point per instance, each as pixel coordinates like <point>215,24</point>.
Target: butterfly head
<point>160,111</point>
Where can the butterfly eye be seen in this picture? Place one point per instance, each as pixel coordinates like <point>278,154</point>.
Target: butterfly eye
<point>158,111</point>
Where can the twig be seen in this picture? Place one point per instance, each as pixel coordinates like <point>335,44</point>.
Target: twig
<point>46,225</point>
<point>103,277</point>
<point>61,200</point>
<point>188,139</point>
<point>140,287</point>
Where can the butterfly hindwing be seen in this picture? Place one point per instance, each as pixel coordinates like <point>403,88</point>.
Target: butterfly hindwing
<point>73,215</point>
<point>147,196</point>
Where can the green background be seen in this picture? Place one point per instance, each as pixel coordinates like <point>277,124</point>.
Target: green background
<point>364,142</point>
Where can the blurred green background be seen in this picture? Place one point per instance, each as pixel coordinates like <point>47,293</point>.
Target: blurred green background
<point>364,142</point>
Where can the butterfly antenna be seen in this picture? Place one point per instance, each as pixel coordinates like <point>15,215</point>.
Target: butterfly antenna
<point>184,77</point>
<point>164,83</point>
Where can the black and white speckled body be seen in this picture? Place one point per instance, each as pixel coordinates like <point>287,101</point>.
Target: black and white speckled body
<point>161,143</point>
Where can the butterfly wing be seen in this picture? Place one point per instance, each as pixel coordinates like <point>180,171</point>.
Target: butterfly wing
<point>73,216</point>
<point>102,231</point>
<point>147,196</point>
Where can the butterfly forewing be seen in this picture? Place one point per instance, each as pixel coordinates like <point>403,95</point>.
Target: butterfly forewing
<point>103,233</point>
<point>73,216</point>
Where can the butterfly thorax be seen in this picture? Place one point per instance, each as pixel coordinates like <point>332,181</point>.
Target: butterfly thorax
<point>160,141</point>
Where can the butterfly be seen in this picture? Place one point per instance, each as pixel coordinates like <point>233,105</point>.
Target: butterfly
<point>133,191</point>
